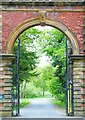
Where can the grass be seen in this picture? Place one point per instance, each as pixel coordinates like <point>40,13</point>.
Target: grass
<point>58,103</point>
<point>24,102</point>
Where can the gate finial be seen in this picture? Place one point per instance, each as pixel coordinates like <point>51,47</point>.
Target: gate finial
<point>42,17</point>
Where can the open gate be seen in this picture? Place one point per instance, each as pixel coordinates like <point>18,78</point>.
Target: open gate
<point>69,82</point>
<point>16,83</point>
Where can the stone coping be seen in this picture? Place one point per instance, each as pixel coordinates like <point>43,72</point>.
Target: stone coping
<point>78,57</point>
<point>7,56</point>
<point>43,2</point>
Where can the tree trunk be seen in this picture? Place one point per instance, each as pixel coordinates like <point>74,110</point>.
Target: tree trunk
<point>23,96</point>
<point>43,92</point>
<point>21,90</point>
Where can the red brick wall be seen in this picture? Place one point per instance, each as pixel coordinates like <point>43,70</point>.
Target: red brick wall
<point>73,20</point>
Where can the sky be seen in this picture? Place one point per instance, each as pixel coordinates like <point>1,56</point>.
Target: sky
<point>43,27</point>
<point>44,60</point>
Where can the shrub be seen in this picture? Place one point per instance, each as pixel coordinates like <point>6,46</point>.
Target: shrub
<point>32,92</point>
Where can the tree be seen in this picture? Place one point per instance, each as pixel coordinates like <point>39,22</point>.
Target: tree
<point>28,56</point>
<point>42,80</point>
<point>35,42</point>
<point>53,43</point>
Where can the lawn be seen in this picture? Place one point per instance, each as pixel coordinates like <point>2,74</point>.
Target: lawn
<point>24,102</point>
<point>58,103</point>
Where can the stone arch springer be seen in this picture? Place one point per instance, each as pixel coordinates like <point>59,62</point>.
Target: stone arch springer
<point>33,22</point>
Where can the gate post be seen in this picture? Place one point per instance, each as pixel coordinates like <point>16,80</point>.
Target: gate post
<point>79,84</point>
<point>6,84</point>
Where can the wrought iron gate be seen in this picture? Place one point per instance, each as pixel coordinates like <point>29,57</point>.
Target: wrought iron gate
<point>69,82</point>
<point>16,83</point>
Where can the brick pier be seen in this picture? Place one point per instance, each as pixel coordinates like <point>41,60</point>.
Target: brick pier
<point>6,85</point>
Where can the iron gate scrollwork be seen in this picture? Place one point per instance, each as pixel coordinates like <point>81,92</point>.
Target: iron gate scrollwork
<point>69,82</point>
<point>16,83</point>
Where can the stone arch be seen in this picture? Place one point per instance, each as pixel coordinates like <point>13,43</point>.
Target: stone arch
<point>33,22</point>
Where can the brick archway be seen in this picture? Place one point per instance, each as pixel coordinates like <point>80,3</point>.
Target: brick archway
<point>19,16</point>
<point>33,22</point>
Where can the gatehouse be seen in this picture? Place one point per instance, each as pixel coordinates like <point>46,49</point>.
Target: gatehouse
<point>17,16</point>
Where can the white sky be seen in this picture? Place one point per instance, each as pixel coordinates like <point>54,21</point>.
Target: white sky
<point>44,61</point>
<point>43,27</point>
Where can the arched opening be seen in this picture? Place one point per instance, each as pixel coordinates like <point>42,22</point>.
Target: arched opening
<point>33,22</point>
<point>28,24</point>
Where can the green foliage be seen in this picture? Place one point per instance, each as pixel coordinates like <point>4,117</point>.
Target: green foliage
<point>59,103</point>
<point>53,44</point>
<point>31,91</point>
<point>50,78</point>
<point>42,80</point>
<point>55,86</point>
<point>24,102</point>
<point>28,56</point>
<point>52,41</point>
<point>62,97</point>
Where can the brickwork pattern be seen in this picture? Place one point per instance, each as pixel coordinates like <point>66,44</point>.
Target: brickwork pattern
<point>79,87</point>
<point>73,20</point>
<point>6,87</point>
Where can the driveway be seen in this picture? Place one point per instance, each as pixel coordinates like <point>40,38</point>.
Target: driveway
<point>41,108</point>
